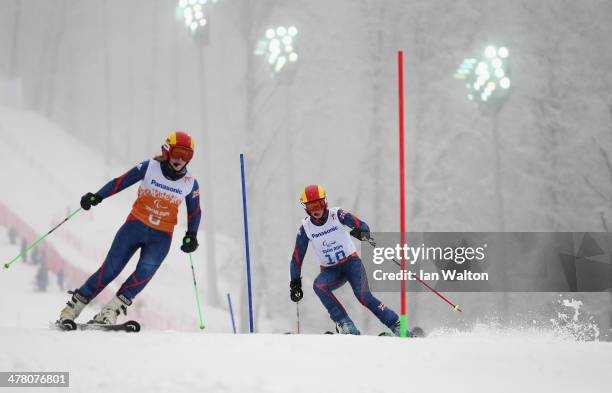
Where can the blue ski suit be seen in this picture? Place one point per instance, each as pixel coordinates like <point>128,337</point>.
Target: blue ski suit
<point>347,269</point>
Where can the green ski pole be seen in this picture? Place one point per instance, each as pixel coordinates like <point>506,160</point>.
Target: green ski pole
<point>197,293</point>
<point>8,264</point>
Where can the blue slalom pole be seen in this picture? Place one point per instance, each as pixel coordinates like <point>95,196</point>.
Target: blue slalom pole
<point>229,301</point>
<point>246,243</point>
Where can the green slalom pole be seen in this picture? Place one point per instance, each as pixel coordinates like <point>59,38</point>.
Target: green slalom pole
<point>197,293</point>
<point>8,264</point>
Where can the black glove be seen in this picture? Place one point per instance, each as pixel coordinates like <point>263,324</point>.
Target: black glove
<point>90,199</point>
<point>296,290</point>
<point>360,234</point>
<point>190,242</point>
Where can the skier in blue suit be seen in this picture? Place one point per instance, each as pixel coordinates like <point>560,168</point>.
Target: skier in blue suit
<point>328,231</point>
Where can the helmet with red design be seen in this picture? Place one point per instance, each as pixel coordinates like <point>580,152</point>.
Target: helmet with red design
<point>179,144</point>
<point>314,198</point>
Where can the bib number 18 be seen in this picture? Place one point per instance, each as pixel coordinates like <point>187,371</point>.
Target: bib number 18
<point>340,255</point>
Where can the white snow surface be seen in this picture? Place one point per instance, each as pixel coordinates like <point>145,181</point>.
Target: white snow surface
<point>189,362</point>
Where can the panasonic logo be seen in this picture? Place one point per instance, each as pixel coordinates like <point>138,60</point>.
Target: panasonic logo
<point>325,232</point>
<point>165,187</point>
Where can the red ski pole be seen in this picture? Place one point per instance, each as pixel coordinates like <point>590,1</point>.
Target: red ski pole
<point>454,306</point>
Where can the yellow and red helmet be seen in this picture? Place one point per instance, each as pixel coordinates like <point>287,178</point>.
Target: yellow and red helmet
<point>179,144</point>
<point>314,197</point>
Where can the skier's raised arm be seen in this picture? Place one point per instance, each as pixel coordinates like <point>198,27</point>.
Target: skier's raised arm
<point>116,185</point>
<point>360,231</point>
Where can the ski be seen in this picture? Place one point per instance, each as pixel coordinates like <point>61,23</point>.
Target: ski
<point>69,325</point>
<point>416,332</point>
<point>327,332</point>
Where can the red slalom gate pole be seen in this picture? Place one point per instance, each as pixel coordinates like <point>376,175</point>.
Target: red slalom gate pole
<point>400,71</point>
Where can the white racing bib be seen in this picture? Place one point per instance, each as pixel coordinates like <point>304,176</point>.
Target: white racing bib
<point>331,240</point>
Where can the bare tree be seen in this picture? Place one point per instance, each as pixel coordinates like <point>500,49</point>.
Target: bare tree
<point>15,44</point>
<point>54,48</point>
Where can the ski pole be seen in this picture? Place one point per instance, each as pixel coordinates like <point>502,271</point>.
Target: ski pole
<point>197,293</point>
<point>297,309</point>
<point>231,310</point>
<point>454,306</point>
<point>8,264</point>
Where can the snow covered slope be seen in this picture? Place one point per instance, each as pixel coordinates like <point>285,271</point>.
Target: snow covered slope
<point>180,361</point>
<point>190,362</point>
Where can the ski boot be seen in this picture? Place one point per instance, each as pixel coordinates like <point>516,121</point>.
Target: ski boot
<point>346,326</point>
<point>74,306</point>
<point>109,313</point>
<point>397,330</point>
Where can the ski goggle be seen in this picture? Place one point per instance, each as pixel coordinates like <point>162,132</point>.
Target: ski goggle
<point>180,152</point>
<point>315,205</point>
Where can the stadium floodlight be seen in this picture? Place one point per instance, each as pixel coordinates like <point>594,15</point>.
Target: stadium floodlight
<point>193,14</point>
<point>278,47</point>
<point>487,78</point>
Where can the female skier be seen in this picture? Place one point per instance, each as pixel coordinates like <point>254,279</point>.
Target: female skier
<point>165,183</point>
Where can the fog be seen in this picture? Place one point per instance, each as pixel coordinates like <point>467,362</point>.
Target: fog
<point>121,75</point>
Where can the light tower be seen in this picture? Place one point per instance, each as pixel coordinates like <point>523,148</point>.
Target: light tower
<point>487,79</point>
<point>195,16</point>
<point>193,13</point>
<point>278,47</point>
